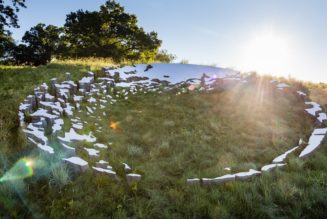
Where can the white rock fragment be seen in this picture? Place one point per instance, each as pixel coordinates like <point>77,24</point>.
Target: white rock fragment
<point>53,106</point>
<point>73,136</point>
<point>246,175</point>
<point>206,181</point>
<point>270,167</point>
<point>126,167</point>
<point>69,110</point>
<point>282,157</point>
<point>106,171</point>
<point>78,163</point>
<point>99,145</point>
<point>43,147</point>
<point>25,107</point>
<point>222,179</point>
<point>322,117</point>
<point>102,164</point>
<point>69,151</point>
<point>49,97</point>
<point>315,108</point>
<point>195,181</point>
<point>314,141</point>
<point>21,117</point>
<point>90,110</point>
<point>85,83</point>
<point>218,180</point>
<point>78,98</point>
<point>77,125</point>
<point>321,131</point>
<point>92,152</point>
<point>43,113</point>
<point>301,93</point>
<point>132,177</point>
<point>36,133</point>
<point>92,100</point>
<point>57,125</point>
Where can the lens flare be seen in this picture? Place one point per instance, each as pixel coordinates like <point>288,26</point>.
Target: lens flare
<point>113,125</point>
<point>22,169</point>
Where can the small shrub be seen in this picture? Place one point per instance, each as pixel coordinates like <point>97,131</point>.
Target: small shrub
<point>59,177</point>
<point>134,151</point>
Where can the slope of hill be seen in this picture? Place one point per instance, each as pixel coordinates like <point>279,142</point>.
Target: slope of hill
<point>168,136</point>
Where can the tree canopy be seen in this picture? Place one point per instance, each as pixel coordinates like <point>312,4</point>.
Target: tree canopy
<point>8,13</point>
<point>40,43</point>
<point>109,32</point>
<point>8,18</point>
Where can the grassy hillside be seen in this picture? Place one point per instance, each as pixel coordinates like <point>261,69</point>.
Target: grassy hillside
<point>169,138</point>
<point>319,95</point>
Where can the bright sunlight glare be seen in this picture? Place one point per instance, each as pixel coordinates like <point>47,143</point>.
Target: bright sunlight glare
<point>268,52</point>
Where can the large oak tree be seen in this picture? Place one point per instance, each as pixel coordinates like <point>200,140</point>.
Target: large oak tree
<point>109,32</point>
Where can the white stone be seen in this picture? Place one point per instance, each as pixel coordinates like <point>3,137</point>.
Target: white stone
<point>106,171</point>
<point>270,167</point>
<point>132,177</point>
<point>126,167</point>
<point>102,164</point>
<point>43,147</point>
<point>322,117</point>
<point>301,93</point>
<point>195,181</point>
<point>73,136</point>
<point>314,142</point>
<point>282,157</point>
<point>77,162</point>
<point>315,108</point>
<point>99,145</point>
<point>246,175</point>
<point>57,126</point>
<point>92,152</point>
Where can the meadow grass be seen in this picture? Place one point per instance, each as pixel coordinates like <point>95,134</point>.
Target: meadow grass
<point>168,138</point>
<point>94,63</point>
<point>319,95</point>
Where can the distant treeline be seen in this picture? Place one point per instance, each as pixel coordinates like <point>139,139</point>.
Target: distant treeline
<point>108,33</point>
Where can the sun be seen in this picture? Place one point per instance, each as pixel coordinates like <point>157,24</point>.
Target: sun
<point>268,52</point>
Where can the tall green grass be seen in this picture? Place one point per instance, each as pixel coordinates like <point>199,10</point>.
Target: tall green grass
<point>167,139</point>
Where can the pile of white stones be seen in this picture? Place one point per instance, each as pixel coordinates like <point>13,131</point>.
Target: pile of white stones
<point>313,143</point>
<point>48,107</point>
<point>44,109</point>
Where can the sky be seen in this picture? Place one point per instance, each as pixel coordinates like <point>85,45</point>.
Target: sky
<point>279,37</point>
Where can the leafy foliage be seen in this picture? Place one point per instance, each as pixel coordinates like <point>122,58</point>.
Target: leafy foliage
<point>7,44</point>
<point>107,33</point>
<point>8,18</point>
<point>41,42</point>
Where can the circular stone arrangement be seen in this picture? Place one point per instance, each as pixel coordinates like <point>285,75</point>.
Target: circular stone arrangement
<point>43,114</point>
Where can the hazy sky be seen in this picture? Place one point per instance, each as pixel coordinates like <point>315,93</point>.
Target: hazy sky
<point>280,37</point>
